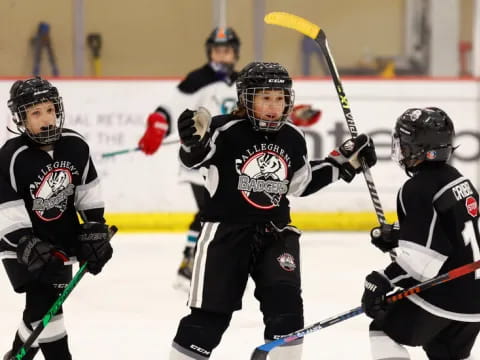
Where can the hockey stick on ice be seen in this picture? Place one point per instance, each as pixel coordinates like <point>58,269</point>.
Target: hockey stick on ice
<point>313,31</point>
<point>125,151</point>
<point>261,352</point>
<point>22,352</point>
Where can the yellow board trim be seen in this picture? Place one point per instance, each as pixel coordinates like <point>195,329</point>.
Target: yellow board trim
<point>292,22</point>
<point>308,221</point>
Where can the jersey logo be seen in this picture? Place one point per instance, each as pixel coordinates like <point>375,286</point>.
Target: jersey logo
<point>287,262</point>
<point>472,206</point>
<point>263,179</point>
<point>51,197</point>
<point>228,104</point>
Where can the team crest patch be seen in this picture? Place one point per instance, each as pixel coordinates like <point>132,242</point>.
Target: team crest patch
<point>50,196</point>
<point>287,262</point>
<point>472,206</point>
<point>263,179</point>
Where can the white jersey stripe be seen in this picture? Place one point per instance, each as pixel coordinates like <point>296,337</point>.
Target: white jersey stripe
<point>89,196</point>
<point>12,165</point>
<point>13,216</point>
<point>418,261</point>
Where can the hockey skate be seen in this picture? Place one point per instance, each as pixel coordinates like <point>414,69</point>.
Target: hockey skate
<point>184,272</point>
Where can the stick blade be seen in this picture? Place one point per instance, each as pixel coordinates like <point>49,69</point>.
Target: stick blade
<point>259,354</point>
<point>293,22</point>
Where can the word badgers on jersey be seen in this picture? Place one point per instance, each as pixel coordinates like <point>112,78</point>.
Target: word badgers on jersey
<point>246,183</point>
<point>40,204</point>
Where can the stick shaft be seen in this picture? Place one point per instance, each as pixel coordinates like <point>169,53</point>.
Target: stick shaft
<point>125,151</point>
<point>261,352</point>
<point>344,103</point>
<point>22,352</point>
<point>314,32</point>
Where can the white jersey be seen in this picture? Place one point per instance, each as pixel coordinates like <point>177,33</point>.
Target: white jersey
<point>210,89</point>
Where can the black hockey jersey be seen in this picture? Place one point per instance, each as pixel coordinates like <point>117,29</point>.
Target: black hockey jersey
<point>438,215</point>
<point>42,191</point>
<point>203,77</point>
<point>248,173</point>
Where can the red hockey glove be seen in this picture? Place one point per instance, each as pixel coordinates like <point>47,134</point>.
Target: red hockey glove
<point>304,115</point>
<point>157,128</point>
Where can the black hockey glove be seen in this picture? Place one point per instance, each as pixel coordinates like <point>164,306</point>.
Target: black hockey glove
<point>347,156</point>
<point>193,127</point>
<point>385,237</point>
<point>94,246</point>
<point>40,257</point>
<point>373,298</point>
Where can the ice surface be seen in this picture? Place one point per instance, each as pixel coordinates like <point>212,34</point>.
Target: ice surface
<point>131,311</point>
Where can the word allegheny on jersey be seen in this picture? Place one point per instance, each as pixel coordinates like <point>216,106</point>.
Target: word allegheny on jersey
<point>44,189</point>
<point>50,195</point>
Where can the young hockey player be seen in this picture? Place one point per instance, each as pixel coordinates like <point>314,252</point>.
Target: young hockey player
<point>252,159</point>
<point>46,177</point>
<point>213,87</point>
<point>438,231</point>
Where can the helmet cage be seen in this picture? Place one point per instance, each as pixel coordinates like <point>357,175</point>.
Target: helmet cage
<point>20,104</point>
<point>247,99</point>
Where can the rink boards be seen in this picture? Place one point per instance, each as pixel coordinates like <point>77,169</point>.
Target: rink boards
<point>143,193</point>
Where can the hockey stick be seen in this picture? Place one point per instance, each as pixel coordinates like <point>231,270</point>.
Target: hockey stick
<point>261,352</point>
<point>125,151</point>
<point>318,35</point>
<point>22,352</point>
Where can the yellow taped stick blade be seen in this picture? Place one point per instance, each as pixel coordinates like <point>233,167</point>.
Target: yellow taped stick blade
<point>293,22</point>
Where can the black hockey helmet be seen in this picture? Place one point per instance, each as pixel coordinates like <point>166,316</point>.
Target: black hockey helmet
<point>424,134</point>
<point>257,77</point>
<point>221,36</point>
<point>26,93</point>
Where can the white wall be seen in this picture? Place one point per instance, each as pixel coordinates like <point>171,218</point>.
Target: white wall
<point>112,113</point>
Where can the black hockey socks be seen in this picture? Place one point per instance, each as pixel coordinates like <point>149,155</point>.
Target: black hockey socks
<point>18,343</point>
<point>56,350</point>
<point>200,332</point>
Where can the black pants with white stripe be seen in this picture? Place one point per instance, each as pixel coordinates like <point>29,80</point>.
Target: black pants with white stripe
<point>227,254</point>
<point>199,196</point>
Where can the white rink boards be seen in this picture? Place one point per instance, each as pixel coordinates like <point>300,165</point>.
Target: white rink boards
<point>131,311</point>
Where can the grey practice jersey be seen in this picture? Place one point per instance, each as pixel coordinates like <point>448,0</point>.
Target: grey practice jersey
<point>42,191</point>
<point>438,215</point>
